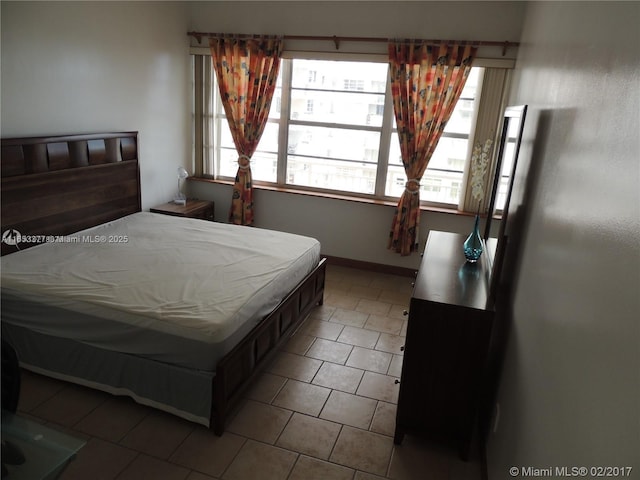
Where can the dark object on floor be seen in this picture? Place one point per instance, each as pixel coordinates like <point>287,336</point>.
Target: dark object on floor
<point>10,378</point>
<point>11,454</point>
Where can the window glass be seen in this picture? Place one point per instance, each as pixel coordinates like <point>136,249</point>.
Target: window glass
<point>338,143</point>
<point>331,174</point>
<point>335,124</point>
<point>337,107</point>
<point>339,76</point>
<point>264,160</point>
<point>461,120</point>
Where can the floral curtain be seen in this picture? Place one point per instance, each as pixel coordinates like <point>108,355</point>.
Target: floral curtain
<point>426,82</point>
<point>247,70</point>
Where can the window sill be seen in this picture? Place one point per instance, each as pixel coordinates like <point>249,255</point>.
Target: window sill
<point>334,196</point>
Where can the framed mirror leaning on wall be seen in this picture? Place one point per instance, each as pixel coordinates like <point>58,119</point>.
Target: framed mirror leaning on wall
<point>506,163</point>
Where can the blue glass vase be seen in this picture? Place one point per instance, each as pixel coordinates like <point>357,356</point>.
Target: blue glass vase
<point>473,244</point>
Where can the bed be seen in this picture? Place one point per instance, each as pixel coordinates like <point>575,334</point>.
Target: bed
<point>180,314</point>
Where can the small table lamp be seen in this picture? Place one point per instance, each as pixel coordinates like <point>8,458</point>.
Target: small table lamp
<point>180,197</point>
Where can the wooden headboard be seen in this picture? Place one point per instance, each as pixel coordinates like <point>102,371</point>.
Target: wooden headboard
<point>58,185</point>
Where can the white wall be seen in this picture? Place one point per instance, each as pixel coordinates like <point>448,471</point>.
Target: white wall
<point>570,393</point>
<point>451,20</point>
<point>82,67</point>
<point>350,229</point>
<point>346,229</point>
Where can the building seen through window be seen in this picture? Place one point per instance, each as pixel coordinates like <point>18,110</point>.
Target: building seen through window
<point>331,127</point>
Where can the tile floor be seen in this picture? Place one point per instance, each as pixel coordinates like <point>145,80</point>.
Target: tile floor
<point>323,409</point>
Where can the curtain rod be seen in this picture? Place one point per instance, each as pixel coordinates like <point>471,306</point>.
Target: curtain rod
<point>337,39</point>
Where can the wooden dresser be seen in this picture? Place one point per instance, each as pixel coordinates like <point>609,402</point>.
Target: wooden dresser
<point>447,344</point>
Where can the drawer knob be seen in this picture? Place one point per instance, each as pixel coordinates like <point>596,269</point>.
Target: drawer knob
<point>402,348</point>
<point>405,312</point>
<point>397,381</point>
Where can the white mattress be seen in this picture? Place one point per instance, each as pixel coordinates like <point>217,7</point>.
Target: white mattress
<point>178,290</point>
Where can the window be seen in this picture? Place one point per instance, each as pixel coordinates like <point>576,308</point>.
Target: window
<point>331,128</point>
<point>334,146</point>
<point>441,182</point>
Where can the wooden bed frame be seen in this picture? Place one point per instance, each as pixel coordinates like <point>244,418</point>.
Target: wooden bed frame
<point>58,185</point>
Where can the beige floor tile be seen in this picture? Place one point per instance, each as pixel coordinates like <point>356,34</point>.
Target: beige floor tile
<point>69,405</point>
<point>322,329</point>
<point>373,307</point>
<point>158,434</point>
<point>363,450</point>
<point>330,351</point>
<point>338,377</point>
<point>335,272</point>
<point>339,299</point>
<point>393,282</point>
<point>395,369</point>
<point>369,476</point>
<point>355,276</point>
<point>390,343</point>
<point>298,344</point>
<point>294,366</point>
<point>99,460</point>
<point>302,397</point>
<point>365,292</point>
<point>266,387</point>
<point>384,419</point>
<point>113,419</point>
<point>145,467</point>
<point>257,461</point>
<point>335,288</point>
<point>322,312</point>
<point>260,421</point>
<point>206,452</point>
<point>36,389</point>
<point>396,297</point>
<point>359,336</point>
<point>307,468</point>
<point>380,387</point>
<point>349,409</point>
<point>349,317</point>
<point>368,359</point>
<point>309,435</point>
<point>199,476</point>
<point>384,324</point>
<point>398,311</point>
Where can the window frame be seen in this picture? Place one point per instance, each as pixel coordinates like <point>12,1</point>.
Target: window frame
<point>386,131</point>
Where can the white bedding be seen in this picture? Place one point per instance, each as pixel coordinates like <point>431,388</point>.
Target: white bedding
<point>178,290</point>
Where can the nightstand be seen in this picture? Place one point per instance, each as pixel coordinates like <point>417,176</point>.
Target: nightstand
<point>193,209</point>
